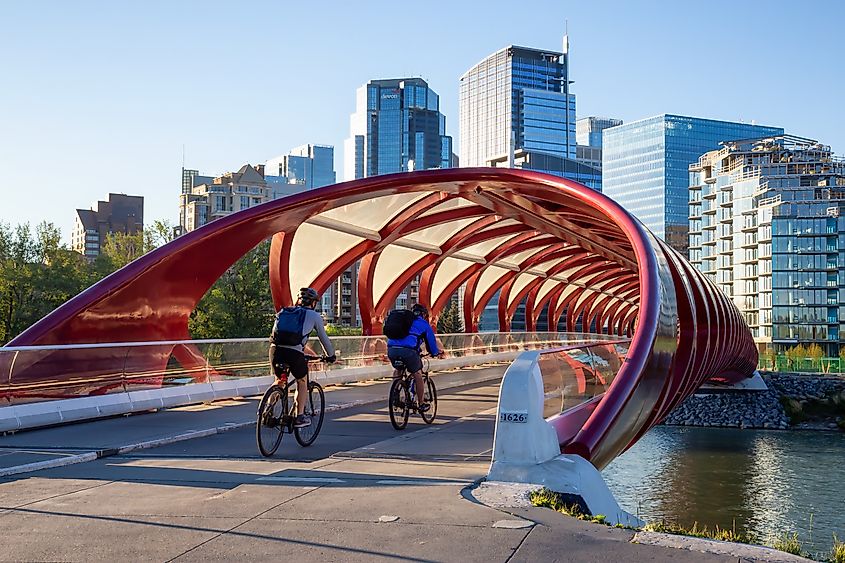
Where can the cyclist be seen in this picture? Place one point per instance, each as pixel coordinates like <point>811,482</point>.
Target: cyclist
<point>407,350</point>
<point>293,355</point>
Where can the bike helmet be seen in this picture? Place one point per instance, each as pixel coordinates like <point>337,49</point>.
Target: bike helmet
<point>420,310</point>
<point>308,296</point>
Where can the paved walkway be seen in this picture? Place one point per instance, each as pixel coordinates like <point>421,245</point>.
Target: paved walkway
<point>362,492</point>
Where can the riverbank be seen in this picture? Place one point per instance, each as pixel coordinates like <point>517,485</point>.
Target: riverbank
<point>794,401</point>
<point>557,536</point>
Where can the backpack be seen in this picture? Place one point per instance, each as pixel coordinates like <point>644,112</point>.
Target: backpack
<point>398,323</point>
<point>287,329</point>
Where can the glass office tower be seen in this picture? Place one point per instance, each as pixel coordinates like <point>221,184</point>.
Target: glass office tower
<point>397,126</point>
<point>767,225</point>
<point>645,167</point>
<point>307,166</point>
<point>588,129</point>
<point>517,98</point>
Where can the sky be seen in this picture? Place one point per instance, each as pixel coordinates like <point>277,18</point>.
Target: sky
<point>102,97</point>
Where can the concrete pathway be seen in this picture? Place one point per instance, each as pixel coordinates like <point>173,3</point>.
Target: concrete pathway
<point>362,492</point>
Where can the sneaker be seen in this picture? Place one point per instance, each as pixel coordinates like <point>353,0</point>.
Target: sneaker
<point>302,421</point>
<point>424,407</point>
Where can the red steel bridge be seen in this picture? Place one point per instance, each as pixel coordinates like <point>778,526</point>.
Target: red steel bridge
<point>558,246</point>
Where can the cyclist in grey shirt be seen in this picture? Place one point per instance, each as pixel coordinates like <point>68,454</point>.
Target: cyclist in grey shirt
<point>294,356</point>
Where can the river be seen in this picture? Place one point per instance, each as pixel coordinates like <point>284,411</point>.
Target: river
<point>764,481</point>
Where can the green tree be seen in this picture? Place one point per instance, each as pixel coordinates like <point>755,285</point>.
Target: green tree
<point>119,249</point>
<point>37,274</point>
<point>239,304</point>
<point>159,233</point>
<point>450,321</point>
<point>767,358</point>
<point>796,355</point>
<point>815,353</point>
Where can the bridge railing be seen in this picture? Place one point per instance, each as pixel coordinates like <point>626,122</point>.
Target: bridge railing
<point>52,384</point>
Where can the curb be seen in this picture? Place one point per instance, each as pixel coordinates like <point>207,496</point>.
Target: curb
<point>184,436</point>
<point>49,464</point>
<point>717,547</point>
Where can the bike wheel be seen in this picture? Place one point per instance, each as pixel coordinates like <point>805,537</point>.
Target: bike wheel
<point>398,404</point>
<point>431,399</point>
<point>269,429</point>
<point>315,409</point>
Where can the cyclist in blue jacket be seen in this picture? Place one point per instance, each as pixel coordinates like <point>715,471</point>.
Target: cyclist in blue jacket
<point>408,350</point>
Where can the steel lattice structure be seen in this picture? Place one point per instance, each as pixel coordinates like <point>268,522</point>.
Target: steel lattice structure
<point>557,245</point>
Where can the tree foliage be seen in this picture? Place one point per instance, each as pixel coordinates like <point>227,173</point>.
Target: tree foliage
<point>450,321</point>
<point>37,274</point>
<point>239,304</point>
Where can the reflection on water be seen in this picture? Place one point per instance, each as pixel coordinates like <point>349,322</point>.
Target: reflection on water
<point>763,481</point>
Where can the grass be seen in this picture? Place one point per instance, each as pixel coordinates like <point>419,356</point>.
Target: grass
<point>837,552</point>
<point>789,543</point>
<point>697,531</point>
<point>558,502</point>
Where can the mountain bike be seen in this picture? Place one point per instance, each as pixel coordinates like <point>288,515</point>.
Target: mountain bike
<point>402,398</point>
<point>277,412</point>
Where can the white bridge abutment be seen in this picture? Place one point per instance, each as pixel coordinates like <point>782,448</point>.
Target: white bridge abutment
<point>526,448</point>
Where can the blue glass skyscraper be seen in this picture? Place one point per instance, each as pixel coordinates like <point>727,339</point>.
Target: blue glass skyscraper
<point>397,126</point>
<point>645,167</point>
<point>517,96</point>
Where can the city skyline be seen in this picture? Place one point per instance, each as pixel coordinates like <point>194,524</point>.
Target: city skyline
<point>100,96</point>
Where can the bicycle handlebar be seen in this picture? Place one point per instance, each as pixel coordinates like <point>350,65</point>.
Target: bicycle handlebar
<point>315,358</point>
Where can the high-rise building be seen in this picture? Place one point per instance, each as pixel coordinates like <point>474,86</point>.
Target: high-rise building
<point>218,197</point>
<point>588,129</point>
<point>517,98</point>
<point>397,127</point>
<point>120,214</point>
<point>516,111</point>
<point>308,166</point>
<point>767,225</point>
<point>588,132</point>
<point>645,167</point>
<point>190,179</point>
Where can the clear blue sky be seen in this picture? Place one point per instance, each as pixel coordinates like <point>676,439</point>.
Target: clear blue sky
<point>101,96</point>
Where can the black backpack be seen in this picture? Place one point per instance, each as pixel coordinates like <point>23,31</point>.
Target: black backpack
<point>287,330</point>
<point>398,323</point>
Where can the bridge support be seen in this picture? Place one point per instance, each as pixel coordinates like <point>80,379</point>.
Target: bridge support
<point>526,448</point>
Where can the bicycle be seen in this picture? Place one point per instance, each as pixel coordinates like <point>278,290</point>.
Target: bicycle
<point>277,412</point>
<point>402,398</point>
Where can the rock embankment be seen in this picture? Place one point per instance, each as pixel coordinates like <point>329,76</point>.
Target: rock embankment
<point>739,409</point>
<point>792,400</point>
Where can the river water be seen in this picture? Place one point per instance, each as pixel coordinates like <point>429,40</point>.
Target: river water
<point>764,481</point>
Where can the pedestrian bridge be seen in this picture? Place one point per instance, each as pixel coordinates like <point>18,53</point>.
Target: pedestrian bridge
<point>568,253</point>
